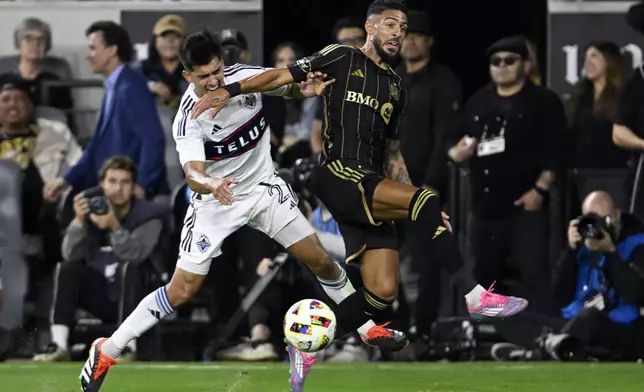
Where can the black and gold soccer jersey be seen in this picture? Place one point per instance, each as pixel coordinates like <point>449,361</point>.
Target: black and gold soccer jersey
<point>362,108</point>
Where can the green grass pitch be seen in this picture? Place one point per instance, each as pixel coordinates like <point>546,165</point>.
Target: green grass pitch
<point>401,377</point>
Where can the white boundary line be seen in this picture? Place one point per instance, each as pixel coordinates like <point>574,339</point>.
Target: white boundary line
<point>589,7</point>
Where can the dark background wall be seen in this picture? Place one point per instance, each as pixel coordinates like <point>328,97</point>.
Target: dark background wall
<point>463,28</point>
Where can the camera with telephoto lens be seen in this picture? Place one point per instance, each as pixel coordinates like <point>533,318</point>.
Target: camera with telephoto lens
<point>98,204</point>
<point>593,226</point>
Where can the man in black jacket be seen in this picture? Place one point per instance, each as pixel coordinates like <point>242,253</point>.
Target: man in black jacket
<point>510,135</point>
<point>433,99</point>
<point>604,277</point>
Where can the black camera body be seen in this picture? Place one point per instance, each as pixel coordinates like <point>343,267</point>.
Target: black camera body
<point>98,204</point>
<point>592,226</point>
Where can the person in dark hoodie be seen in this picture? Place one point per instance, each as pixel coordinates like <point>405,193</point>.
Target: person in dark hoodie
<point>602,270</point>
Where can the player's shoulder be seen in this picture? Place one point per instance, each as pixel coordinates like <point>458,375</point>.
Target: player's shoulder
<point>188,101</point>
<point>236,72</point>
<point>336,49</point>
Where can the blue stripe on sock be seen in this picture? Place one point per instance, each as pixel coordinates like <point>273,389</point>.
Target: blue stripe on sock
<point>165,299</point>
<point>162,306</point>
<point>156,298</point>
<point>338,283</point>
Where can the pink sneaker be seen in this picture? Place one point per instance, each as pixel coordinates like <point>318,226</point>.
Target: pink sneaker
<point>300,366</point>
<point>497,305</point>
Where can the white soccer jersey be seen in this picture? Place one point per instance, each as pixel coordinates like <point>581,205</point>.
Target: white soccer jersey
<point>236,143</point>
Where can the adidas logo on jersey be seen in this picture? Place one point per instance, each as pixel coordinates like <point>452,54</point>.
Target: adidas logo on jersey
<point>216,128</point>
<point>358,73</point>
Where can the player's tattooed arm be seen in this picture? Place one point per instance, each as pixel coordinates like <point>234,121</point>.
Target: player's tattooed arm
<point>395,166</point>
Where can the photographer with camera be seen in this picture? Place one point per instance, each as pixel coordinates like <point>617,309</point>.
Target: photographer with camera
<point>602,269</point>
<point>111,227</point>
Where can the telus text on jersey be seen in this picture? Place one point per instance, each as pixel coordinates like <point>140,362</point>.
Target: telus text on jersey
<point>244,139</point>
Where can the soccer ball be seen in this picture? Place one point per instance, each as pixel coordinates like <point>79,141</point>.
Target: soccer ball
<point>309,325</point>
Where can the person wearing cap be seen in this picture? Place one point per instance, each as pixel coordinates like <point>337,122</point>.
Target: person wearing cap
<point>162,67</point>
<point>511,134</point>
<point>235,47</point>
<point>628,130</point>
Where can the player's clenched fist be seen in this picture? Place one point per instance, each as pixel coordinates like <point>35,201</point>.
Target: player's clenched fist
<point>221,189</point>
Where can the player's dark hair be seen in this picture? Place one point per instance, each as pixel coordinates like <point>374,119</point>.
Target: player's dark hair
<point>379,6</point>
<point>347,23</point>
<point>199,49</point>
<point>114,35</point>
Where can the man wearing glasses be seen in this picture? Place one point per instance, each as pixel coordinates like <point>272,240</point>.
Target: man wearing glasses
<point>511,134</point>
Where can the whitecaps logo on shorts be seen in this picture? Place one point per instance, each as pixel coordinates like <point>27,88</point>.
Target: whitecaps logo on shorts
<point>203,244</point>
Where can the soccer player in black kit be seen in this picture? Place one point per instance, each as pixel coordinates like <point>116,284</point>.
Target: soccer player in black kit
<point>363,180</point>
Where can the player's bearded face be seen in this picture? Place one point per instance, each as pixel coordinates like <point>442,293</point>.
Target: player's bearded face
<point>207,77</point>
<point>388,33</point>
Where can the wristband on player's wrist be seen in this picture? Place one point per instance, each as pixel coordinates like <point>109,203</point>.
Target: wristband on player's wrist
<point>234,89</point>
<point>541,191</point>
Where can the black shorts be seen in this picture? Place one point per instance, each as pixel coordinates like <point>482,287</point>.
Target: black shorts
<point>346,188</point>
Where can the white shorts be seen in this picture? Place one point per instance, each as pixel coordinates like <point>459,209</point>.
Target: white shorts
<point>271,208</point>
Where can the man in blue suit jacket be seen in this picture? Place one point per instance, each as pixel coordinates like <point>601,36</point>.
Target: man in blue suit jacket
<point>128,122</point>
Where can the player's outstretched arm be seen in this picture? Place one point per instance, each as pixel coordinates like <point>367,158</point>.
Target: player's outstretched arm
<point>263,82</point>
<point>395,166</point>
<point>200,182</point>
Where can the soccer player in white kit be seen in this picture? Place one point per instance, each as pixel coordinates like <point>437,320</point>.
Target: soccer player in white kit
<point>229,169</point>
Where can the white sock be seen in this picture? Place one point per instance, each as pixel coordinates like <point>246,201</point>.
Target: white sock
<point>60,336</point>
<point>340,289</point>
<point>150,311</point>
<point>473,298</point>
<point>132,345</point>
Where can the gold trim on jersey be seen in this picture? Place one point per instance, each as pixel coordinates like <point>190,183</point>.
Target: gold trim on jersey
<point>346,173</point>
<point>357,254</point>
<point>344,101</point>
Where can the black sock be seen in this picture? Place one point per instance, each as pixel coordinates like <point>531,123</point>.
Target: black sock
<point>425,210</point>
<point>357,309</point>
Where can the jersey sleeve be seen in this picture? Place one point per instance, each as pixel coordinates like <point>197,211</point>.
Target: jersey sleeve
<point>324,61</point>
<point>396,117</point>
<point>189,138</point>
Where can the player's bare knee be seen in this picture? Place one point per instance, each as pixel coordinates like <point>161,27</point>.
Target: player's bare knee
<point>386,289</point>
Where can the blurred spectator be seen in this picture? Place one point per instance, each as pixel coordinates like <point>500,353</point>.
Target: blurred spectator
<point>592,109</point>
<point>434,95</point>
<point>33,40</point>
<point>346,31</point>
<point>601,271</point>
<point>290,119</point>
<point>532,65</point>
<point>234,47</point>
<point>591,112</point>
<point>110,228</point>
<point>510,135</point>
<point>349,31</point>
<point>128,123</point>
<point>162,68</point>
<point>433,99</point>
<point>44,149</point>
<point>628,131</point>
